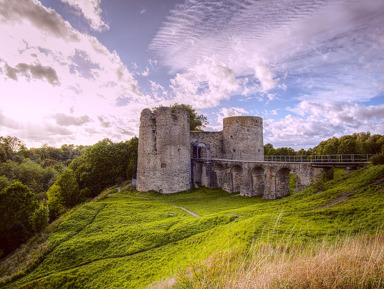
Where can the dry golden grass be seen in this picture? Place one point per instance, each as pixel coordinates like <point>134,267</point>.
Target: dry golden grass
<point>350,263</point>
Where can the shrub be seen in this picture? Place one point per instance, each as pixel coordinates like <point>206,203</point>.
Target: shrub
<point>55,201</point>
<point>319,183</point>
<point>377,159</point>
<point>40,218</point>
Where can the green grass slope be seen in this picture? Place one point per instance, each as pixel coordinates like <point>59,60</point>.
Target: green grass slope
<point>134,240</point>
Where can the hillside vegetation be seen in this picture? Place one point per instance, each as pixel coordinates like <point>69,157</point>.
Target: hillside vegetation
<point>127,239</point>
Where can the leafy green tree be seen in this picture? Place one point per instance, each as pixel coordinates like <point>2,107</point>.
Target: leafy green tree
<point>11,146</point>
<point>285,151</point>
<point>362,142</point>
<point>132,157</point>
<point>347,145</point>
<point>269,150</point>
<point>328,147</point>
<point>55,201</point>
<point>4,182</point>
<point>69,188</point>
<point>196,121</point>
<point>17,206</point>
<point>40,218</point>
<point>3,153</point>
<point>105,164</point>
<point>377,159</point>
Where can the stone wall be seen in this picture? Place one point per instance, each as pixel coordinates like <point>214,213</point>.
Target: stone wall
<point>213,142</point>
<point>243,138</point>
<point>164,162</point>
<point>253,178</point>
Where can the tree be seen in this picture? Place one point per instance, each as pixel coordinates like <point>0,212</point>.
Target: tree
<point>347,145</point>
<point>17,206</point>
<point>4,182</point>
<point>105,164</point>
<point>269,150</point>
<point>69,189</point>
<point>196,121</point>
<point>40,218</point>
<point>55,201</point>
<point>132,160</point>
<point>328,147</point>
<point>284,151</point>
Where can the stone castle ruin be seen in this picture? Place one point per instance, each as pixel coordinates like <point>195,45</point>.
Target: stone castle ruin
<point>172,159</point>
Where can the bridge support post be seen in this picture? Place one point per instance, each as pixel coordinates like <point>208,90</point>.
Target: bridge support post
<point>246,184</point>
<point>270,183</point>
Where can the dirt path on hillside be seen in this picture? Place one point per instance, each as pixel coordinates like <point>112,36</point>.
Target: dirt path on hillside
<point>188,211</point>
<point>342,198</point>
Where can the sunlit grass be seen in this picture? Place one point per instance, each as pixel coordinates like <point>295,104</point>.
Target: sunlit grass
<point>133,240</point>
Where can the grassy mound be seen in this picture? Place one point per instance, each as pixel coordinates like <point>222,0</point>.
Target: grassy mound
<point>133,240</point>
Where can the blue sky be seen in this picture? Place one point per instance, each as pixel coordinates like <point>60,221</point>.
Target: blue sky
<point>74,71</point>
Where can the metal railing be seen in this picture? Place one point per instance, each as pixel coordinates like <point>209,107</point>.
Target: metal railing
<point>348,158</point>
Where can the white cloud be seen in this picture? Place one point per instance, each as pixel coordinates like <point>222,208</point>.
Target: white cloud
<point>228,112</point>
<point>204,84</point>
<point>56,83</point>
<point>91,11</point>
<point>333,46</point>
<point>318,121</point>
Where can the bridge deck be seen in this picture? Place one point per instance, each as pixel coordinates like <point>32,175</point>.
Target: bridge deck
<point>315,160</point>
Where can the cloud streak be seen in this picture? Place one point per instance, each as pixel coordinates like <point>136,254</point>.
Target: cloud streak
<point>91,11</point>
<point>319,52</point>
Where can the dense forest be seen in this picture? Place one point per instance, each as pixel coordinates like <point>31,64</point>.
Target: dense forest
<point>39,184</point>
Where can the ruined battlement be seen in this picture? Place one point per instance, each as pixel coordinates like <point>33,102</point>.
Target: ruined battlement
<point>164,163</point>
<point>166,147</point>
<point>243,138</point>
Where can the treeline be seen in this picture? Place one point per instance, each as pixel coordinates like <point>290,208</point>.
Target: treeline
<point>357,143</point>
<point>39,184</point>
<point>37,168</point>
<point>102,165</point>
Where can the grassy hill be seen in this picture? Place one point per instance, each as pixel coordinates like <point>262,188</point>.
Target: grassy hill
<point>208,238</point>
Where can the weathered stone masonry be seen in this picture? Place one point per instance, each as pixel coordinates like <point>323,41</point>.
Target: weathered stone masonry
<point>164,162</point>
<point>172,159</point>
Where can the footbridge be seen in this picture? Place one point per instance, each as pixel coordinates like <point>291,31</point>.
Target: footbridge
<point>269,178</point>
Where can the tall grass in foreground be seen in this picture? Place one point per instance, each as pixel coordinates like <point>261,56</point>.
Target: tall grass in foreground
<point>354,262</point>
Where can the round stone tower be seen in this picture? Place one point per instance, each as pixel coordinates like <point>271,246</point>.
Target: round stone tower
<point>164,161</point>
<point>243,138</point>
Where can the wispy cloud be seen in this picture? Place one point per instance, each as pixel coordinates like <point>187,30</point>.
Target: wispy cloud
<point>323,50</point>
<point>228,112</point>
<point>91,11</point>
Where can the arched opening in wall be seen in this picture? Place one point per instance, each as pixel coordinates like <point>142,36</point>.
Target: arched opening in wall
<point>199,150</point>
<point>236,175</point>
<point>258,181</point>
<point>282,183</point>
